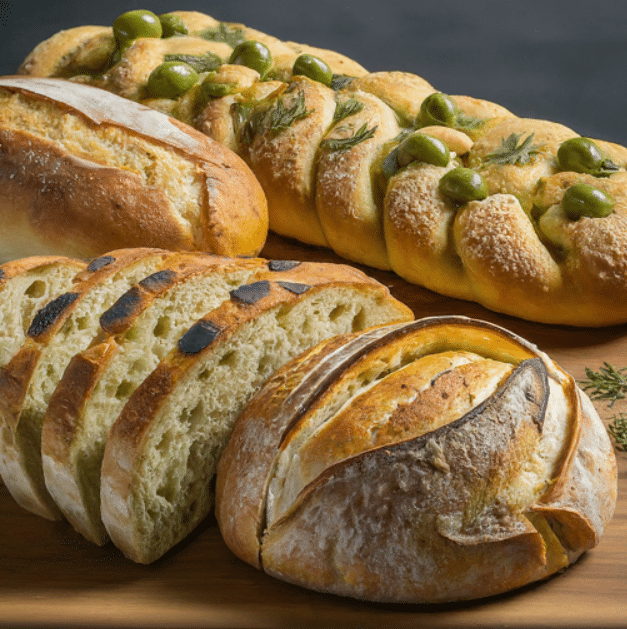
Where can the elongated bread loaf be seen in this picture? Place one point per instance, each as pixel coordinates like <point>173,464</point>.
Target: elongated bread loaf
<point>162,450</point>
<point>342,156</point>
<point>136,332</point>
<point>85,171</point>
<point>444,459</point>
<point>63,327</point>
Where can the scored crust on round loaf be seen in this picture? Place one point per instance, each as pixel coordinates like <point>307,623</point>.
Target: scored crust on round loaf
<point>339,183</point>
<point>145,179</point>
<point>63,327</point>
<point>137,331</point>
<point>26,285</point>
<point>162,450</point>
<point>444,459</point>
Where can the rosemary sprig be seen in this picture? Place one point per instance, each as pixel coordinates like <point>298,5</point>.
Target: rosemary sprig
<point>272,119</point>
<point>511,152</point>
<point>279,117</point>
<point>346,109</point>
<point>345,144</point>
<point>618,429</point>
<point>609,383</point>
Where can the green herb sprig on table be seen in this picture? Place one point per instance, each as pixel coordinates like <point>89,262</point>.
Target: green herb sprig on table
<point>608,383</point>
<point>618,429</point>
<point>513,151</point>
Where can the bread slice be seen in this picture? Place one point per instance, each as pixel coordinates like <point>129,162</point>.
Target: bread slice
<point>26,285</point>
<point>443,459</point>
<point>138,330</point>
<point>162,451</point>
<point>63,327</point>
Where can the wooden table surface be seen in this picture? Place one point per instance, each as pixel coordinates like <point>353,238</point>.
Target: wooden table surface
<point>52,577</point>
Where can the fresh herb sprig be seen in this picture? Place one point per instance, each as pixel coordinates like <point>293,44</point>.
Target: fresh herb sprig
<point>618,429</point>
<point>347,108</point>
<point>609,383</point>
<point>513,151</point>
<point>463,122</point>
<point>345,144</point>
<point>273,119</point>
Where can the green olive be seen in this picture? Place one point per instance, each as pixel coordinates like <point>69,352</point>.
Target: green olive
<point>252,54</point>
<point>419,147</point>
<point>582,199</point>
<point>313,68</point>
<point>134,24</point>
<point>172,25</point>
<point>463,185</point>
<point>171,79</point>
<point>438,109</point>
<point>580,155</point>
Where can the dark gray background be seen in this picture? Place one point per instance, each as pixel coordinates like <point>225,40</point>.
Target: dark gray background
<point>554,59</point>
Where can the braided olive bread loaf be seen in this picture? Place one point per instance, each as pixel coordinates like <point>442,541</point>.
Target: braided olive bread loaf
<point>454,193</point>
<point>442,459</point>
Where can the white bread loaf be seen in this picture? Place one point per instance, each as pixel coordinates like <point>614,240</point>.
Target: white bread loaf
<point>440,460</point>
<point>85,171</point>
<point>162,450</point>
<point>64,326</point>
<point>136,332</point>
<point>327,156</point>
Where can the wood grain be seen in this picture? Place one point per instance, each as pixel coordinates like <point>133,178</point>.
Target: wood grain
<point>51,577</point>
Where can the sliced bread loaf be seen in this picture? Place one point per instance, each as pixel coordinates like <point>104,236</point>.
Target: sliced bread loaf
<point>63,327</point>
<point>162,451</point>
<point>137,331</point>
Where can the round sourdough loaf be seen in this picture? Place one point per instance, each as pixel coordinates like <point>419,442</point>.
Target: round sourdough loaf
<point>439,460</point>
<point>84,171</point>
